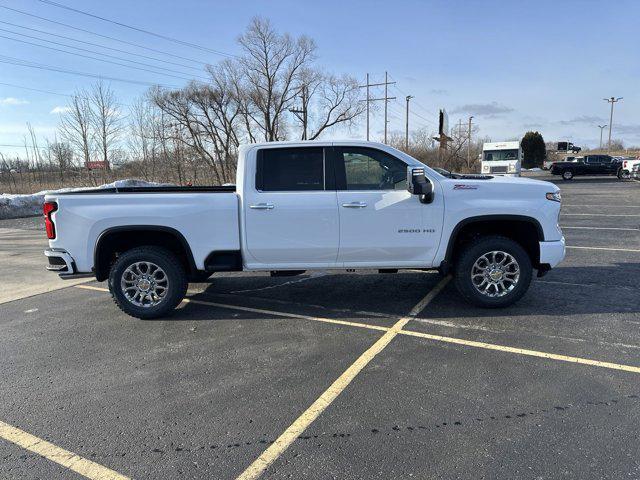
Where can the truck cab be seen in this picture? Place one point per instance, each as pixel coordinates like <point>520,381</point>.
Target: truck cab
<point>501,158</point>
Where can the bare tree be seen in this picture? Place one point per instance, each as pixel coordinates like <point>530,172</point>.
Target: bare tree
<point>272,65</point>
<point>60,155</point>
<point>75,126</point>
<point>105,120</point>
<point>206,118</point>
<point>330,101</point>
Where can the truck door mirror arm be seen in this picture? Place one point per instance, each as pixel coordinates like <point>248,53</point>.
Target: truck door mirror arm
<point>418,184</point>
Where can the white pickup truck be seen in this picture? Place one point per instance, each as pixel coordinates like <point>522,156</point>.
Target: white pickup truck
<point>300,206</point>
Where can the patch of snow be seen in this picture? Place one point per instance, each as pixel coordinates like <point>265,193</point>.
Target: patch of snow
<point>30,204</point>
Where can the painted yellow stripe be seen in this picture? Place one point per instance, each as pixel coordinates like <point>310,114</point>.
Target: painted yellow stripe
<point>264,311</point>
<point>419,307</point>
<point>330,394</point>
<point>599,214</point>
<point>605,248</point>
<point>459,341</point>
<point>523,351</point>
<point>91,287</point>
<point>286,314</point>
<point>58,455</point>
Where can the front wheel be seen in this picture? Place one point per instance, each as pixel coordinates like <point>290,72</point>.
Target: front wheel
<point>147,282</point>
<point>493,272</point>
<point>567,175</point>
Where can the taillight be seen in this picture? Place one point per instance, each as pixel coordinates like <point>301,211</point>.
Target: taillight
<point>49,208</point>
<point>624,164</point>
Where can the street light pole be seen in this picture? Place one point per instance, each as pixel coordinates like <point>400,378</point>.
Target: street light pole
<point>601,127</point>
<point>406,128</point>
<point>611,100</point>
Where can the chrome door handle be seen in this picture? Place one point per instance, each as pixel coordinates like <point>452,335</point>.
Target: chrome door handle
<point>262,206</point>
<point>354,205</point>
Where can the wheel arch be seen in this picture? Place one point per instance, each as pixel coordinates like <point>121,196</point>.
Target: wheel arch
<point>527,231</point>
<point>115,240</point>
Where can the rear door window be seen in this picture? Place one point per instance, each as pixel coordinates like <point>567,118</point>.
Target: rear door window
<point>290,169</point>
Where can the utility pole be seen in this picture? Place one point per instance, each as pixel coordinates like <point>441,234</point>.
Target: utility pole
<point>386,99</point>
<point>601,127</point>
<point>611,100</point>
<point>469,144</point>
<point>406,128</point>
<point>367,107</point>
<point>301,112</point>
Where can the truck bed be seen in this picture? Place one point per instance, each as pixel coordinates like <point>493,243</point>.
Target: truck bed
<point>206,217</point>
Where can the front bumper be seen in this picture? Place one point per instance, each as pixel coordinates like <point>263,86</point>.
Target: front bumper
<point>552,253</point>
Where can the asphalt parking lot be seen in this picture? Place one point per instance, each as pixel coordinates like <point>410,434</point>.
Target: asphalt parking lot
<point>332,375</point>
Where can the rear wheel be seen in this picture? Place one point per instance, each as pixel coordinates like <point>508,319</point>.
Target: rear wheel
<point>147,282</point>
<point>567,175</point>
<point>624,174</point>
<point>493,272</point>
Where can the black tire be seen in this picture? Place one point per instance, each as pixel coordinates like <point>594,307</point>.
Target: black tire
<point>567,174</point>
<point>472,252</point>
<point>176,286</point>
<point>623,174</point>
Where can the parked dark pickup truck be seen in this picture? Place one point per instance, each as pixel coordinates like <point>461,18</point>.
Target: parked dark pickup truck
<point>588,165</point>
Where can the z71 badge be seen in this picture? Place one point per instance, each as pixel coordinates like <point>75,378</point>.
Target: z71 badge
<point>416,230</point>
<point>464,186</point>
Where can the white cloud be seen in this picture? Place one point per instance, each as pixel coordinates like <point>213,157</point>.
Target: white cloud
<point>486,109</point>
<point>12,101</point>
<point>60,109</point>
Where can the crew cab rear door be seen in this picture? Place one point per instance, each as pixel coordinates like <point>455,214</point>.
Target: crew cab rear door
<point>381,223</point>
<point>290,208</point>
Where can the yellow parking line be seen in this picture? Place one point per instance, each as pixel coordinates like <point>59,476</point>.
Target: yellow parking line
<point>91,287</point>
<point>523,351</point>
<point>599,214</point>
<point>605,248</point>
<point>427,299</point>
<point>58,455</point>
<point>418,308</point>
<point>263,311</point>
<point>330,394</point>
<point>289,315</point>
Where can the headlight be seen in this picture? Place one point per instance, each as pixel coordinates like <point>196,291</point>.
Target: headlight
<point>554,197</point>
<point>512,169</point>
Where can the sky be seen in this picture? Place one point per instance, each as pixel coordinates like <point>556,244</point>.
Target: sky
<point>513,65</point>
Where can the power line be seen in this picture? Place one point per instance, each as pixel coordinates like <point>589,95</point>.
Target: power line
<point>98,45</point>
<point>415,102</point>
<point>137,45</point>
<point>55,93</point>
<point>95,58</point>
<point>164,37</point>
<point>25,63</point>
<point>35,89</point>
<point>412,112</point>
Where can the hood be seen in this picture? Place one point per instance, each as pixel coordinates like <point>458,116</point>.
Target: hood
<point>497,183</point>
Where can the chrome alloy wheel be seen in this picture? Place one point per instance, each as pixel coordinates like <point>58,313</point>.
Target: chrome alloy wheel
<point>144,284</point>
<point>495,274</point>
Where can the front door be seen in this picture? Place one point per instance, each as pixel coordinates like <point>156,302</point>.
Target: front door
<point>291,214</point>
<point>381,223</point>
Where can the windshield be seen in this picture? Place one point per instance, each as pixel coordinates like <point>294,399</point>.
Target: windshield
<point>500,155</point>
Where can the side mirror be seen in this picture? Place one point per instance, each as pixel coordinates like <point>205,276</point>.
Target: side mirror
<point>417,184</point>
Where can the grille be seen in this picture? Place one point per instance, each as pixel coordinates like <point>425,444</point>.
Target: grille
<point>499,169</point>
